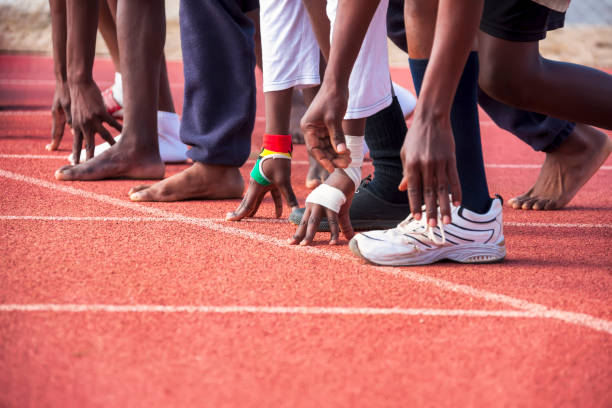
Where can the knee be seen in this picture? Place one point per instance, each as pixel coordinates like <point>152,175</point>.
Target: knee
<point>509,83</point>
<point>419,9</point>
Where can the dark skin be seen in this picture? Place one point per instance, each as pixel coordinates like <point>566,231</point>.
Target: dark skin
<point>87,108</point>
<point>60,109</point>
<point>325,140</point>
<point>278,111</point>
<point>430,171</point>
<point>141,44</point>
<point>108,28</point>
<point>537,84</point>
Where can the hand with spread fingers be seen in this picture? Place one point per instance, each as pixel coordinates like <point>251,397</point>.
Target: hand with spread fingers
<point>333,200</point>
<point>430,169</point>
<point>88,116</point>
<point>322,127</point>
<point>278,172</point>
<point>60,112</point>
<point>272,172</point>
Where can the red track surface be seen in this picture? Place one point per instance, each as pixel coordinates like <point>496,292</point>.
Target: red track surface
<point>315,328</point>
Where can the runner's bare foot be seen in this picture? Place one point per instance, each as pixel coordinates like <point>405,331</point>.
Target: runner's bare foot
<point>116,162</point>
<point>566,170</point>
<point>316,173</point>
<point>203,181</point>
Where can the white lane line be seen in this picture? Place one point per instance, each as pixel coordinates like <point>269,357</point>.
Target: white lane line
<point>128,219</point>
<point>51,82</point>
<point>554,225</point>
<point>296,162</point>
<point>34,156</point>
<point>580,319</point>
<point>238,309</point>
<point>64,218</point>
<point>254,220</point>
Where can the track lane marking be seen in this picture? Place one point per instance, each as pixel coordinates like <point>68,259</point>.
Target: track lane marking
<point>256,220</point>
<point>580,319</point>
<point>297,162</point>
<point>242,309</point>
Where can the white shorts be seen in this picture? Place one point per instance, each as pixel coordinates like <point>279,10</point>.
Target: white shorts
<point>290,55</point>
<point>289,48</point>
<point>370,81</point>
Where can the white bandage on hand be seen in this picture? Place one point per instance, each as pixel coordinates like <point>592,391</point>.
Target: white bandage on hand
<point>327,196</point>
<point>356,145</point>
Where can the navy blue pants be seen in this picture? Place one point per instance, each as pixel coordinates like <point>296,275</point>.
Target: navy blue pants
<point>541,132</point>
<point>218,63</point>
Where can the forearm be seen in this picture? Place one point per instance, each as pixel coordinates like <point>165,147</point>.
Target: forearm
<point>456,27</point>
<point>350,28</point>
<point>82,22</point>
<point>59,38</point>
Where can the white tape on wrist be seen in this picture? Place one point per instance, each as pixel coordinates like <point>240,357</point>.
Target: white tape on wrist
<point>327,196</point>
<point>356,145</point>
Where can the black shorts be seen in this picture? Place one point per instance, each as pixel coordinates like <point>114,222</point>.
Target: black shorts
<point>249,5</point>
<point>519,20</point>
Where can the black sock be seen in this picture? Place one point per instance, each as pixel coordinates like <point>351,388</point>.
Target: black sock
<point>466,130</point>
<point>384,134</point>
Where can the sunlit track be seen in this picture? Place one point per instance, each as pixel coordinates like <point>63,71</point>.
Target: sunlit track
<point>265,221</point>
<point>580,319</point>
<point>293,162</point>
<point>296,310</point>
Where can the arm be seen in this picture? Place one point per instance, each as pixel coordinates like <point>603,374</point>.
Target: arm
<point>88,110</point>
<point>429,149</point>
<point>60,110</point>
<point>322,123</point>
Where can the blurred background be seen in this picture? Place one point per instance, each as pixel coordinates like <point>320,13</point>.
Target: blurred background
<point>586,39</point>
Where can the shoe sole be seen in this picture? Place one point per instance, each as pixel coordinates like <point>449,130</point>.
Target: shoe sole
<point>471,254</point>
<point>358,225</point>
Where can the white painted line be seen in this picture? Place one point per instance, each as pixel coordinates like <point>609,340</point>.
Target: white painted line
<point>580,319</point>
<point>298,310</point>
<point>256,220</point>
<point>553,225</point>
<point>64,218</point>
<point>33,156</point>
<point>295,162</point>
<point>43,112</point>
<point>51,83</point>
<point>128,219</point>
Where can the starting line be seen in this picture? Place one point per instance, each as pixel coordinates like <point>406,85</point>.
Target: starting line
<point>253,220</point>
<point>575,318</point>
<point>296,162</point>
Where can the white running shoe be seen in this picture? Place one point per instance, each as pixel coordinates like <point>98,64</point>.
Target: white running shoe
<point>470,238</point>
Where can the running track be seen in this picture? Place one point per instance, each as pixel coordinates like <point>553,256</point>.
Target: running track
<point>104,302</point>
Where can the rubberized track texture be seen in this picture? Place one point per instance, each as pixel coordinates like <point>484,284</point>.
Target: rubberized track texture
<point>109,303</point>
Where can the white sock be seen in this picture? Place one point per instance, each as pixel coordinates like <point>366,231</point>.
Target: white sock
<point>406,99</point>
<point>171,149</point>
<point>118,88</point>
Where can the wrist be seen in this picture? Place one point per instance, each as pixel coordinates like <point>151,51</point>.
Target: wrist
<point>341,181</point>
<point>80,78</point>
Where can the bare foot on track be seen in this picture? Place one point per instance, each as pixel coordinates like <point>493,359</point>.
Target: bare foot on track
<point>115,163</point>
<point>566,170</point>
<point>200,181</point>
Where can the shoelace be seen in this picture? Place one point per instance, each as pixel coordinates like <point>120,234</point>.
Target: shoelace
<point>413,226</point>
<point>365,181</point>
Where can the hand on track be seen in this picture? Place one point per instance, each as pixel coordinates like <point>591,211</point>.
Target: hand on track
<point>338,222</point>
<point>60,111</point>
<point>278,172</point>
<point>88,116</point>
